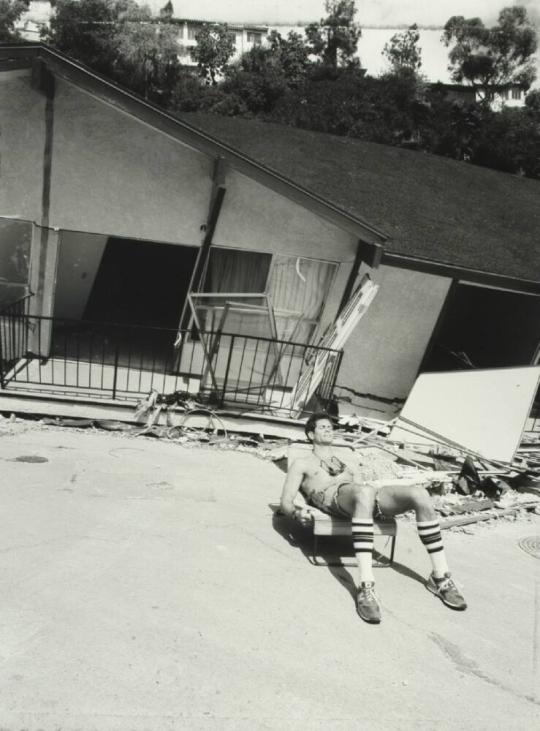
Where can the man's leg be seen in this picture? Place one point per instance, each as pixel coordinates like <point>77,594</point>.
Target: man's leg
<point>395,500</point>
<point>359,502</point>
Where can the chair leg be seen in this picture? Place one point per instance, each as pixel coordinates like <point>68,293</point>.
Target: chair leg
<point>392,549</point>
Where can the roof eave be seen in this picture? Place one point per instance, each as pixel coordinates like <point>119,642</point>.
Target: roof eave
<point>468,274</point>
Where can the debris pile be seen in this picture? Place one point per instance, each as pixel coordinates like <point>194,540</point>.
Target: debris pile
<point>465,488</point>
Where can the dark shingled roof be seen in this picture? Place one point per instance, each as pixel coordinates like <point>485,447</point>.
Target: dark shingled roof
<point>430,207</point>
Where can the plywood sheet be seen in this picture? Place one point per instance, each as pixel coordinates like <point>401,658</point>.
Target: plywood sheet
<point>483,410</point>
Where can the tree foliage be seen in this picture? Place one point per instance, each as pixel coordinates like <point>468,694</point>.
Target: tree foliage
<point>10,13</point>
<point>263,75</point>
<point>281,80</point>
<point>214,49</point>
<point>290,55</point>
<point>532,103</point>
<point>87,30</point>
<point>510,141</point>
<point>486,57</point>
<point>147,55</point>
<point>120,39</point>
<point>334,39</point>
<point>403,53</point>
<point>166,12</point>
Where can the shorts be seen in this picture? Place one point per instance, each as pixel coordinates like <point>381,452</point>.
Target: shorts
<point>327,501</point>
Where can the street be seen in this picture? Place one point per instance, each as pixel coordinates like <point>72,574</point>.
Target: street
<point>146,586</point>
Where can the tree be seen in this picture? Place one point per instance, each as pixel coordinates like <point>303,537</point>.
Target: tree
<point>532,103</point>
<point>215,47</point>
<point>510,141</point>
<point>147,55</point>
<point>290,55</point>
<point>403,53</point>
<point>10,12</point>
<point>265,73</point>
<point>87,30</point>
<point>334,39</point>
<point>486,57</point>
<point>166,12</point>
<point>120,39</point>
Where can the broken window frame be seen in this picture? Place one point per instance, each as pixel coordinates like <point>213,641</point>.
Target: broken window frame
<point>312,323</point>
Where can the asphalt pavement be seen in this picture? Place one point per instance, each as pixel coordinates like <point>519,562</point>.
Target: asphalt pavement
<point>147,586</point>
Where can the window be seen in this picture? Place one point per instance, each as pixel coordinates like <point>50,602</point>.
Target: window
<point>516,93</point>
<point>254,38</point>
<point>192,31</point>
<point>15,239</point>
<point>230,270</point>
<point>297,286</point>
<point>503,93</point>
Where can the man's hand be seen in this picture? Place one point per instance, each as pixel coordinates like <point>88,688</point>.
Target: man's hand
<point>302,515</point>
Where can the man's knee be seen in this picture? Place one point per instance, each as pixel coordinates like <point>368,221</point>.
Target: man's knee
<point>363,495</point>
<point>421,499</point>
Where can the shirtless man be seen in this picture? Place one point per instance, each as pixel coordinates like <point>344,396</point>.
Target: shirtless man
<point>338,489</point>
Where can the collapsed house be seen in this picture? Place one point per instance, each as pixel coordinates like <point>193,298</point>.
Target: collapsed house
<point>140,251</point>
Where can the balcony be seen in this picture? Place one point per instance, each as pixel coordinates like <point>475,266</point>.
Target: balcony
<point>108,361</point>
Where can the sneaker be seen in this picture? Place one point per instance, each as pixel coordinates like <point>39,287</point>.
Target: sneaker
<point>367,604</point>
<point>447,591</point>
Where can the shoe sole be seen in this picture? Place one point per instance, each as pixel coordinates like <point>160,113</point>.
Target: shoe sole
<point>368,621</point>
<point>443,600</point>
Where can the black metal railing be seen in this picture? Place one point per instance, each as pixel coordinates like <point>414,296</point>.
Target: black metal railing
<point>14,324</point>
<point>123,362</point>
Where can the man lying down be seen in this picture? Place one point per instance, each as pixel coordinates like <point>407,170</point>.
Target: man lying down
<point>333,487</point>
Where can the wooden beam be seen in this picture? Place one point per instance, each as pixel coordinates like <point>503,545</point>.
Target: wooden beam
<point>370,253</point>
<point>220,172</point>
<point>201,263</point>
<point>352,278</point>
<point>42,78</point>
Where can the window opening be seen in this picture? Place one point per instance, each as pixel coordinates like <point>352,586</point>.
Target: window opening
<point>15,241</point>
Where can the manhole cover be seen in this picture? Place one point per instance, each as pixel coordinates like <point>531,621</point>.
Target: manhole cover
<point>30,458</point>
<point>531,545</point>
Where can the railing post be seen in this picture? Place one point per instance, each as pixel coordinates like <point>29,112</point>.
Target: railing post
<point>227,369</point>
<point>115,374</point>
<point>2,381</point>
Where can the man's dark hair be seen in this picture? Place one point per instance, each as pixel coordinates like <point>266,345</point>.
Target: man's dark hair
<point>311,423</point>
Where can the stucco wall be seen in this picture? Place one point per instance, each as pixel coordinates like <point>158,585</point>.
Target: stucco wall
<point>22,122</point>
<point>78,261</point>
<point>385,350</point>
<point>254,217</point>
<point>114,175</point>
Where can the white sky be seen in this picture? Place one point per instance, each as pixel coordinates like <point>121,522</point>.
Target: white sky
<point>370,12</point>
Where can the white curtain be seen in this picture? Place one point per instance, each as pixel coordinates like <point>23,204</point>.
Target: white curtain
<point>231,271</point>
<point>298,288</point>
<point>237,271</point>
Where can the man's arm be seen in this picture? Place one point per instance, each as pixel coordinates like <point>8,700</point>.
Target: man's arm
<point>293,481</point>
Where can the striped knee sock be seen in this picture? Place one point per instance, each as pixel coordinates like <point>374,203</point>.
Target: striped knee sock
<point>362,535</point>
<point>430,535</point>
